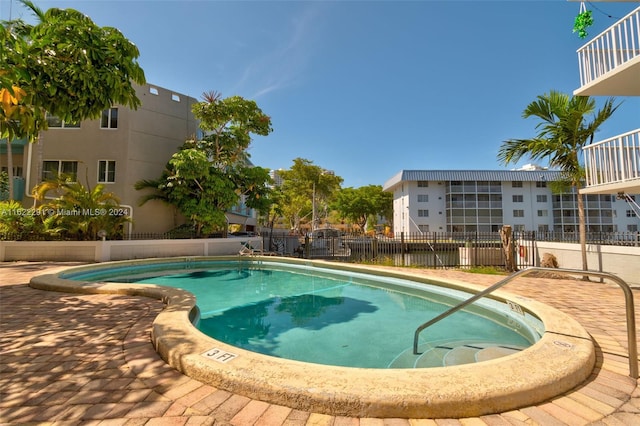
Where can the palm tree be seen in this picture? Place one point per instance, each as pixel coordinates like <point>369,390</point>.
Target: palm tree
<point>563,130</point>
<point>80,212</point>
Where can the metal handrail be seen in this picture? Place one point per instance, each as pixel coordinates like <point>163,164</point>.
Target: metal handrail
<point>628,296</point>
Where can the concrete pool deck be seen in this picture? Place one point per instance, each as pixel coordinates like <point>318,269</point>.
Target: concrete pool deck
<point>88,358</point>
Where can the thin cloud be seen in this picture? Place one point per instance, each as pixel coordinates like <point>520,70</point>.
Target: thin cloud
<point>284,65</point>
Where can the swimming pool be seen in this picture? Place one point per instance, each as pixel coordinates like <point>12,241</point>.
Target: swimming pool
<point>338,317</point>
<point>562,358</point>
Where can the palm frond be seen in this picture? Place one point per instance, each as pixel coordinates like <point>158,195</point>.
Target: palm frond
<point>39,13</point>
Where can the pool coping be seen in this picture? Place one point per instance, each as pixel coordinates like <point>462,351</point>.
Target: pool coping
<point>562,359</point>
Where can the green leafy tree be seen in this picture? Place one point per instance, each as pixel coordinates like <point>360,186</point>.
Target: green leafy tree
<point>79,212</point>
<point>207,177</point>
<point>273,213</point>
<point>564,128</point>
<point>305,186</point>
<point>359,204</point>
<point>65,65</point>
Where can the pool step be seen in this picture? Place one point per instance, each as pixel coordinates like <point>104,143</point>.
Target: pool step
<point>452,353</point>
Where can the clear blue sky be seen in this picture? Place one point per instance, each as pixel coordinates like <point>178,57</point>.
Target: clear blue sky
<point>367,88</point>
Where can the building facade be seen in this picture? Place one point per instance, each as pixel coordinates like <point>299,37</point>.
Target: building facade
<point>485,200</point>
<point>117,150</point>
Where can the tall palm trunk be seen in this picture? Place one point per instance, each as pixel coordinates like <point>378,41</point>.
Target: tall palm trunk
<point>10,169</point>
<point>582,228</point>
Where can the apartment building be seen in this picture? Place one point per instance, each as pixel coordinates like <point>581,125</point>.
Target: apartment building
<point>466,200</point>
<point>119,149</point>
<point>485,200</point>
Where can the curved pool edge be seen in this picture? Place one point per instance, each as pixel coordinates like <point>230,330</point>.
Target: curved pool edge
<point>561,360</point>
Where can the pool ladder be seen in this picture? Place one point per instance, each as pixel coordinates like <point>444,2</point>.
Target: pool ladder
<point>628,296</point>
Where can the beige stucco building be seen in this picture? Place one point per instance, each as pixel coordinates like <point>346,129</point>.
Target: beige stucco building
<point>117,150</point>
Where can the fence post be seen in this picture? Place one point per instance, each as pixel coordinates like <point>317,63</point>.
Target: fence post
<point>307,246</point>
<point>532,252</point>
<point>402,247</point>
<point>435,254</point>
<point>475,249</point>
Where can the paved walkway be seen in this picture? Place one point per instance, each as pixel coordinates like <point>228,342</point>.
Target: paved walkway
<point>68,359</point>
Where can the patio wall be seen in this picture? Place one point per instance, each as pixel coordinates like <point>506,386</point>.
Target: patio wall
<point>103,251</point>
<point>622,261</point>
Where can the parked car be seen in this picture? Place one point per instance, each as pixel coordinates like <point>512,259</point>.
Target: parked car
<point>325,233</point>
<point>242,234</point>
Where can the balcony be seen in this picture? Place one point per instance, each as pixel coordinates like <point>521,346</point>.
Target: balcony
<point>613,165</point>
<point>610,64</point>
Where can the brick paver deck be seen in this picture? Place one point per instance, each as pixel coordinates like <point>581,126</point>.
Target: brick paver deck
<point>69,359</point>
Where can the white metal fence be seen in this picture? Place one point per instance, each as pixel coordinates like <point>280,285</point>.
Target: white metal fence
<point>613,160</point>
<point>618,44</point>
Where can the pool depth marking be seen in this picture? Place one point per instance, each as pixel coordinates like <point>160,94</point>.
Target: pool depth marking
<point>219,355</point>
<point>515,307</point>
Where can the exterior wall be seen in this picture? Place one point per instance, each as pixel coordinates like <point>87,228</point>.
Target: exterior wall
<point>534,211</point>
<point>618,260</point>
<point>434,205</point>
<point>141,145</point>
<point>401,221</point>
<point>625,219</point>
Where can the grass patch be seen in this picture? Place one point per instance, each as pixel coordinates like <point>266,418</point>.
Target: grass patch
<point>487,270</point>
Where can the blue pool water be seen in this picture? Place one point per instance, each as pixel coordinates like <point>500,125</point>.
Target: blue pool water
<point>330,317</point>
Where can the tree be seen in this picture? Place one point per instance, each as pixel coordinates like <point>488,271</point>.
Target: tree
<point>306,189</point>
<point>359,204</point>
<point>563,130</point>
<point>207,177</point>
<point>66,66</point>
<point>17,223</point>
<point>80,212</point>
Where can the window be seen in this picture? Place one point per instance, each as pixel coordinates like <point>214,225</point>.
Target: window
<point>543,213</point>
<point>109,119</point>
<point>543,228</point>
<point>423,213</point>
<point>51,169</point>
<point>423,184</point>
<point>153,91</point>
<point>518,228</point>
<point>518,213</point>
<point>423,228</point>
<point>631,213</point>
<point>541,184</point>
<point>632,228</point>
<point>541,198</point>
<point>17,170</point>
<point>56,123</point>
<point>106,171</point>
<point>516,184</point>
<point>423,198</point>
<point>518,198</point>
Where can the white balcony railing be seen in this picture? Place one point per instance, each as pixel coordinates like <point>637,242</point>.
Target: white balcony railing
<point>618,44</point>
<point>614,160</point>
